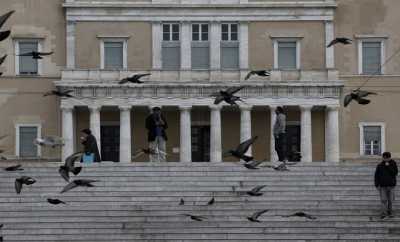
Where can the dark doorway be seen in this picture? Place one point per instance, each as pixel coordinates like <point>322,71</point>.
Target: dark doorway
<point>201,143</point>
<point>293,142</point>
<point>110,143</point>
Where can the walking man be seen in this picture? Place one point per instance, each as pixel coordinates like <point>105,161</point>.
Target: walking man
<point>156,126</point>
<point>385,181</point>
<point>90,145</point>
<point>280,134</point>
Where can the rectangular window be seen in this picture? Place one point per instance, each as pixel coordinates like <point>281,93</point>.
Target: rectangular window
<point>113,55</point>
<point>371,58</point>
<point>229,46</point>
<point>26,64</point>
<point>287,55</point>
<point>372,140</point>
<point>200,47</point>
<point>171,51</point>
<point>27,134</point>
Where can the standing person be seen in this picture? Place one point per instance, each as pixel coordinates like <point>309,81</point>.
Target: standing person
<point>157,137</point>
<point>385,181</point>
<point>280,134</point>
<point>90,145</point>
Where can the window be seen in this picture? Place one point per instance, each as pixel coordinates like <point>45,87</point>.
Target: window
<point>171,56</point>
<point>114,53</point>
<point>372,138</point>
<point>371,57</point>
<point>229,46</point>
<point>26,134</point>
<point>286,53</point>
<point>26,65</point>
<point>200,47</point>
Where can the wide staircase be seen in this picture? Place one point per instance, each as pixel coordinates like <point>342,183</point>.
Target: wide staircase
<point>140,202</point>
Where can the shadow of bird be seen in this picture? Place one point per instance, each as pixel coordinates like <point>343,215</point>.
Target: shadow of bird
<point>241,149</point>
<point>78,183</point>
<point>55,201</point>
<point>263,73</point>
<point>340,40</point>
<point>227,96</point>
<point>36,55</point>
<point>301,214</point>
<point>359,96</point>
<point>133,79</point>
<point>255,192</point>
<point>14,168</point>
<point>23,180</point>
<point>256,215</point>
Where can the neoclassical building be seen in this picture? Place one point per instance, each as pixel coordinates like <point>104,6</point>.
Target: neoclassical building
<point>192,49</point>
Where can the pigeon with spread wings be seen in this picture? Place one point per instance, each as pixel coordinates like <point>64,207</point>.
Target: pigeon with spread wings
<point>340,40</point>
<point>256,215</point>
<point>36,55</point>
<point>242,148</point>
<point>263,73</point>
<point>359,96</point>
<point>23,180</point>
<point>134,79</point>
<point>227,96</point>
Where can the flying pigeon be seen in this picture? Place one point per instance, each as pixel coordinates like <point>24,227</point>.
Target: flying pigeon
<point>23,180</point>
<point>301,214</point>
<point>133,79</point>
<point>359,96</point>
<point>52,141</point>
<point>211,202</point>
<point>252,165</point>
<point>345,41</point>
<point>227,96</point>
<point>4,17</point>
<point>14,168</point>
<point>69,166</point>
<point>194,217</point>
<point>2,59</point>
<point>55,201</point>
<point>59,93</point>
<point>36,55</point>
<point>78,183</point>
<point>263,73</point>
<point>4,35</point>
<point>242,148</point>
<point>182,202</point>
<point>254,217</point>
<point>256,191</point>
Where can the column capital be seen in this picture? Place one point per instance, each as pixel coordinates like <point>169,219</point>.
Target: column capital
<point>94,107</point>
<point>185,108</point>
<point>332,107</point>
<point>215,107</point>
<point>67,107</point>
<point>273,107</point>
<point>306,107</point>
<point>125,107</point>
<point>156,22</point>
<point>245,107</point>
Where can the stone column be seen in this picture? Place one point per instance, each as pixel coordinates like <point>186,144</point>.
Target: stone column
<point>185,134</point>
<point>306,134</point>
<point>273,154</point>
<point>67,132</point>
<point>157,43</point>
<point>215,134</point>
<point>186,46</point>
<point>243,48</point>
<point>215,46</point>
<point>125,139</point>
<point>245,125</point>
<point>329,52</point>
<point>332,150</point>
<point>95,123</point>
<point>70,44</point>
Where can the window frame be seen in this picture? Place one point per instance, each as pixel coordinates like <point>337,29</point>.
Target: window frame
<point>124,51</point>
<point>230,32</point>
<point>18,137</point>
<point>200,24</point>
<point>170,31</point>
<point>361,42</point>
<point>361,126</point>
<point>17,58</point>
<point>276,42</point>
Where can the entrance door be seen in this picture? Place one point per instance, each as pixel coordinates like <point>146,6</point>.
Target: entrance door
<point>201,143</point>
<point>110,143</point>
<point>293,142</point>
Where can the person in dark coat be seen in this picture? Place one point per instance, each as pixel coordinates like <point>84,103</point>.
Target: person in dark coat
<point>279,131</point>
<point>385,182</point>
<point>90,144</point>
<point>156,124</point>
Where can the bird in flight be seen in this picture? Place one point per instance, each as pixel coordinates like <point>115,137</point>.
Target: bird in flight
<point>23,180</point>
<point>359,96</point>
<point>340,40</point>
<point>14,168</point>
<point>263,73</point>
<point>256,215</point>
<point>55,201</point>
<point>134,79</point>
<point>194,217</point>
<point>78,183</point>
<point>227,96</point>
<point>36,55</point>
<point>255,192</point>
<point>301,214</point>
<point>69,166</point>
<point>252,165</point>
<point>242,148</point>
<point>59,93</point>
<point>51,141</point>
<point>5,34</point>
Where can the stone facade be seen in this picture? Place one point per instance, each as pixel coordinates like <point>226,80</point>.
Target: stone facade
<point>311,93</point>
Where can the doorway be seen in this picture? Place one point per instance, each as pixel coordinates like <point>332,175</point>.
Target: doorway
<point>110,143</point>
<point>293,141</point>
<point>201,143</point>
